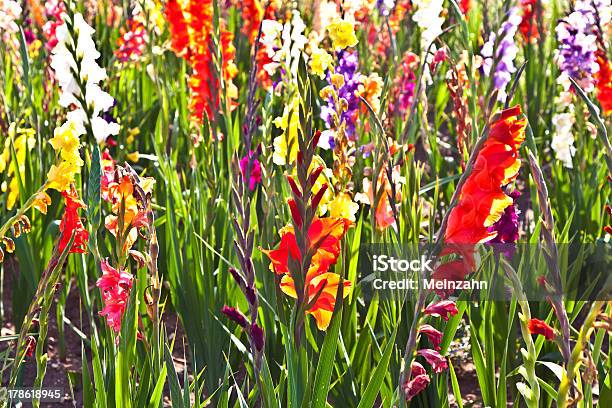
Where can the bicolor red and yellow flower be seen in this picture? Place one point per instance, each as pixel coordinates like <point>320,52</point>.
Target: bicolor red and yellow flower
<point>482,201</point>
<point>191,29</point>
<point>321,286</point>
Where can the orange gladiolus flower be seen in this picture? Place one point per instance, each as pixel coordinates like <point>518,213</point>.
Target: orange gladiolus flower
<point>191,29</point>
<point>481,200</point>
<point>324,238</point>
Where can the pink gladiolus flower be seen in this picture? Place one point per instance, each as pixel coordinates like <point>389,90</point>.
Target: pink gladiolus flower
<point>434,335</point>
<point>419,380</point>
<point>115,286</point>
<point>435,359</point>
<point>255,174</point>
<point>443,309</point>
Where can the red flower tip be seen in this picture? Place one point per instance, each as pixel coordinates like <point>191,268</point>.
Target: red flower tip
<point>295,213</point>
<point>315,175</point>
<point>443,309</point>
<point>608,229</point>
<point>316,137</point>
<point>294,187</point>
<point>537,326</point>
<point>317,197</point>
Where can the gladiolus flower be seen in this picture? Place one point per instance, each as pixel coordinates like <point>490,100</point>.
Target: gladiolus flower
<point>529,22</point>
<point>72,223</point>
<point>42,202</point>
<point>322,290</point>
<point>131,44</point>
<point>435,359</point>
<point>418,381</point>
<point>191,35</point>
<point>320,61</point>
<point>321,286</point>
<point>537,326</point>
<point>115,287</point>
<point>252,14</point>
<point>443,309</point>
<point>482,200</point>
<point>342,34</point>
<point>434,335</point>
<point>325,235</point>
<point>255,175</point>
<point>604,83</point>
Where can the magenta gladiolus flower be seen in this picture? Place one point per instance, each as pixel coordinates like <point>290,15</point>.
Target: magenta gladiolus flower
<point>443,309</point>
<point>255,174</point>
<point>115,286</point>
<point>434,335</point>
<point>435,359</point>
<point>419,380</point>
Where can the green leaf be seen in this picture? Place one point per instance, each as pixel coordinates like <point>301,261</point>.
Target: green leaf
<point>326,359</point>
<point>175,388</point>
<point>159,389</point>
<point>369,396</point>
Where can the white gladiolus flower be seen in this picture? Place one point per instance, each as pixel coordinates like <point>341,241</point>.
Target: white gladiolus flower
<point>429,20</point>
<point>90,74</point>
<point>563,139</point>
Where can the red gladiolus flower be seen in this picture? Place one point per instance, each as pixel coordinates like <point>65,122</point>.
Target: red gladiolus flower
<point>179,32</point>
<point>604,83</point>
<point>482,200</point>
<point>72,223</point>
<point>435,359</point>
<point>529,22</point>
<point>537,326</point>
<point>443,309</point>
<point>434,335</point>
<point>115,287</point>
<point>419,380</point>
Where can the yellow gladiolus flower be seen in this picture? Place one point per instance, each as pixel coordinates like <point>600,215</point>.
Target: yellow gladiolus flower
<point>320,61</point>
<point>343,206</point>
<point>342,34</point>
<point>61,176</point>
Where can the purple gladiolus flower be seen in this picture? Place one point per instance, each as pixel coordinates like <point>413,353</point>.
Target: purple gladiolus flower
<point>348,64</point>
<point>504,55</point>
<point>507,228</point>
<point>578,44</point>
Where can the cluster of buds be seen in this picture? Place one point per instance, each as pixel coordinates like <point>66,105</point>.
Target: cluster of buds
<point>457,82</point>
<point>18,225</point>
<point>243,171</point>
<point>418,379</point>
